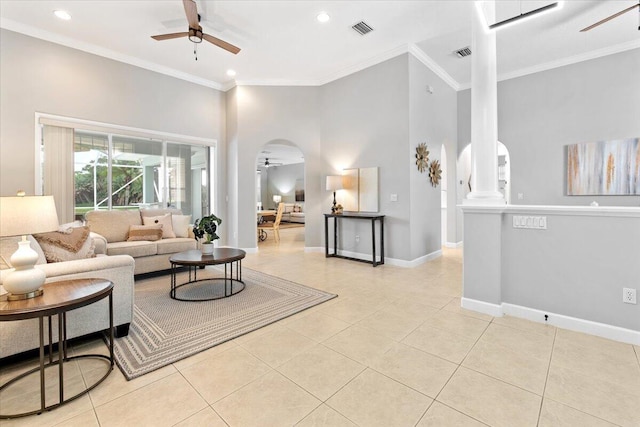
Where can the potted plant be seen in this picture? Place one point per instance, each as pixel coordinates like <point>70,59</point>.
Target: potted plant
<point>206,228</point>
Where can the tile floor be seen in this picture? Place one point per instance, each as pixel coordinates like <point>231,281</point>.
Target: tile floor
<point>395,349</point>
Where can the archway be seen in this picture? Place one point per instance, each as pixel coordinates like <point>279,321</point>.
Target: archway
<point>280,178</point>
<point>504,172</point>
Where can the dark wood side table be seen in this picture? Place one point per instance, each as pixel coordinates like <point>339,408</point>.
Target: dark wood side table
<point>358,216</point>
<point>58,299</point>
<point>194,259</point>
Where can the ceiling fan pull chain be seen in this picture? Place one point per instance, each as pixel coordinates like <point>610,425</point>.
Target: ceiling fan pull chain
<point>195,50</point>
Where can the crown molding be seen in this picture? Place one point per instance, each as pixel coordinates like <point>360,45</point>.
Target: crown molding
<point>595,54</point>
<point>433,66</point>
<point>106,53</point>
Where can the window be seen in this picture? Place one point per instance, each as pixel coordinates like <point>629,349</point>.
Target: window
<point>122,172</point>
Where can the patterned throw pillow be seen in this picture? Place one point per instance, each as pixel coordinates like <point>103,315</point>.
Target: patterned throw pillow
<point>66,244</point>
<point>145,232</point>
<point>165,221</point>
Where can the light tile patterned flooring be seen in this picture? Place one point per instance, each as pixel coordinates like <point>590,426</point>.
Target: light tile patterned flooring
<point>395,349</point>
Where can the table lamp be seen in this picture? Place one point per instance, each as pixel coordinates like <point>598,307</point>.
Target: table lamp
<point>19,216</point>
<point>277,199</point>
<point>334,183</point>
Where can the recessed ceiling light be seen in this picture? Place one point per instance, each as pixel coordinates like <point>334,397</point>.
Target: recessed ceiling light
<point>62,14</point>
<point>323,17</point>
<point>231,73</point>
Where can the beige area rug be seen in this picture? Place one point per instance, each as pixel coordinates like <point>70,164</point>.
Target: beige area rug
<point>164,330</point>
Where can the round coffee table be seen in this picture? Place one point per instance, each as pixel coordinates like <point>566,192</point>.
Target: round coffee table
<point>194,260</point>
<point>58,298</point>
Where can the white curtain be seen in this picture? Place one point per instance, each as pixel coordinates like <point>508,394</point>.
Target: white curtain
<point>58,174</point>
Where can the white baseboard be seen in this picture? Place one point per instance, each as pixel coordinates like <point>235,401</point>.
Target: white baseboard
<point>603,330</point>
<point>573,323</point>
<point>453,245</point>
<point>413,263</point>
<point>250,250</point>
<point>494,310</point>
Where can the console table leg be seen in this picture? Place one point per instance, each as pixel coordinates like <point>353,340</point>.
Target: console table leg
<point>373,241</point>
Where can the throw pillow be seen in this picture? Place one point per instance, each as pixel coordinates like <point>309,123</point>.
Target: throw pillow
<point>66,245</point>
<point>145,232</point>
<point>181,225</point>
<point>165,221</point>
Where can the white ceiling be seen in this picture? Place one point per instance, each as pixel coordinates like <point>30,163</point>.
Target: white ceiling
<point>283,44</point>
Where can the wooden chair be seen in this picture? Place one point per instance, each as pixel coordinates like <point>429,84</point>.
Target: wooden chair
<point>275,226</point>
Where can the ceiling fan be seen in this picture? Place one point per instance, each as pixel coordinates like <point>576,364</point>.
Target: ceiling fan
<point>267,163</point>
<point>195,33</point>
<point>615,15</point>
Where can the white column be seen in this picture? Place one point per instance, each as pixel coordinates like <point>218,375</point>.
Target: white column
<point>484,110</point>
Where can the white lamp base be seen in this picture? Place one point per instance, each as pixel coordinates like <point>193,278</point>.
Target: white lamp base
<point>25,281</point>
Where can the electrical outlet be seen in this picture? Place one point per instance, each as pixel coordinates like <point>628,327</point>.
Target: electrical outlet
<point>628,295</point>
<point>357,238</point>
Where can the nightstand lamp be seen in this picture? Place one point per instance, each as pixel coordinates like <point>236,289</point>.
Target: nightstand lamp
<point>19,216</point>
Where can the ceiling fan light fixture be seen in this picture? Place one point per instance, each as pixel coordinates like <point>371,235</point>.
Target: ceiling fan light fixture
<point>195,35</point>
<point>62,14</point>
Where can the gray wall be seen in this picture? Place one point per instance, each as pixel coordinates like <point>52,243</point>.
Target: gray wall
<point>263,114</point>
<point>38,76</point>
<point>432,120</point>
<point>539,114</point>
<point>281,180</point>
<point>365,123</point>
<point>563,269</point>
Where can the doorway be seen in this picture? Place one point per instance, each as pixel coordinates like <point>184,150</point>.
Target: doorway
<point>280,179</point>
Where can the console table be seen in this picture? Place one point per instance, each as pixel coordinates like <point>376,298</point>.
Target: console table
<point>357,216</point>
<point>58,299</point>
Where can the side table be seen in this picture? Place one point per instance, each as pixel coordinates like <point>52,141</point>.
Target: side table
<point>58,298</point>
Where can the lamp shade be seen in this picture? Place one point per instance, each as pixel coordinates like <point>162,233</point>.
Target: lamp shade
<point>334,182</point>
<point>277,198</point>
<point>27,215</point>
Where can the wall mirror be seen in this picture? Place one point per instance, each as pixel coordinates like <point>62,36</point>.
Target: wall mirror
<point>360,189</point>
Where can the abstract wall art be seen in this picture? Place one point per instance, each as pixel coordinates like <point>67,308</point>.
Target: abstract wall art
<point>604,168</point>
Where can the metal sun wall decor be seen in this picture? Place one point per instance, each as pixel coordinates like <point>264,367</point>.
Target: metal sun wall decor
<point>604,168</point>
<point>422,157</point>
<point>435,173</point>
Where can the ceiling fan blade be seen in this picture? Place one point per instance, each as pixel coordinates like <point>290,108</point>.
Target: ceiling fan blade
<point>615,15</point>
<point>170,36</point>
<point>221,43</point>
<point>191,9</point>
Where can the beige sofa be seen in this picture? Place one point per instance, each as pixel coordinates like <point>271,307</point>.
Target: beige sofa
<point>22,335</point>
<point>293,212</point>
<point>113,226</point>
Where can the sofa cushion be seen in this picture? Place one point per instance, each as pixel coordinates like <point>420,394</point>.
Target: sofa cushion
<point>145,232</point>
<point>179,244</point>
<point>113,225</point>
<point>164,221</point>
<point>135,249</point>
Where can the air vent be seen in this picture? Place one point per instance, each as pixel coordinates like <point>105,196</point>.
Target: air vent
<point>362,28</point>
<point>465,51</point>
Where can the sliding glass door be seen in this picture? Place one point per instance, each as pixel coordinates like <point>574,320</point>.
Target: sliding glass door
<point>121,172</point>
